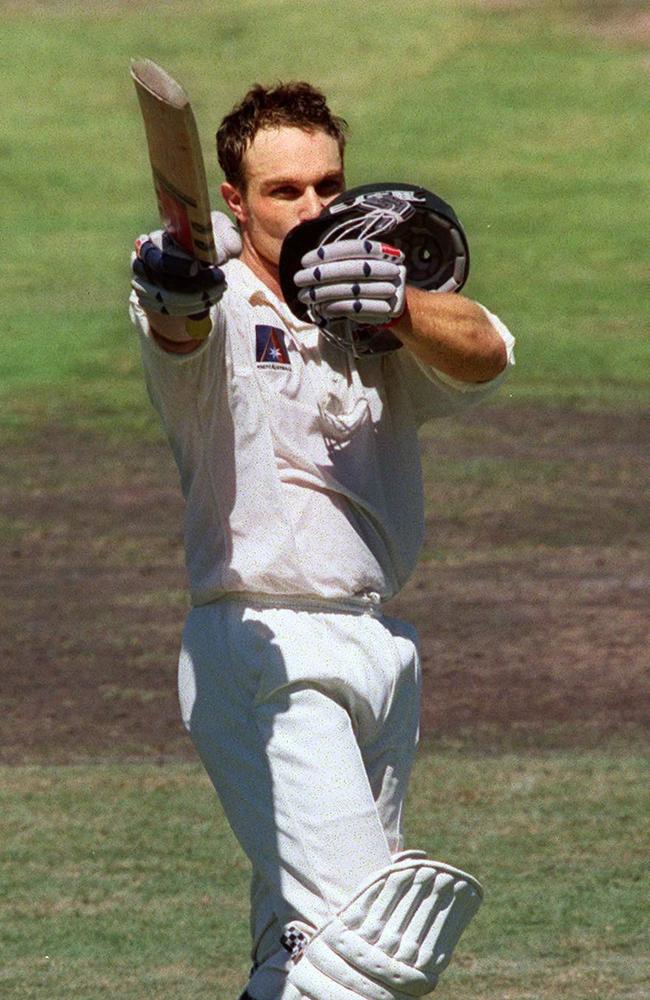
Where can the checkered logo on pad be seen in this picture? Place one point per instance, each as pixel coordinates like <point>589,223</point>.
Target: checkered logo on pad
<point>294,941</point>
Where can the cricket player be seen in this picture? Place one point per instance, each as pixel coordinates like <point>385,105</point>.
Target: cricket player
<point>300,468</point>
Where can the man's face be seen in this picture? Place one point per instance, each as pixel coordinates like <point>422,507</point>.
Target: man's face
<point>292,175</point>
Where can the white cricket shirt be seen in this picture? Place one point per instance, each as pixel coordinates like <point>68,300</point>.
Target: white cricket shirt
<point>300,466</point>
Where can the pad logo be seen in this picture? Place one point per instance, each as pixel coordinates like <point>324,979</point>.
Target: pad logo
<point>270,348</point>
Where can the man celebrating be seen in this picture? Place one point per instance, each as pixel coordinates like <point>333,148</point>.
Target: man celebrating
<point>299,463</point>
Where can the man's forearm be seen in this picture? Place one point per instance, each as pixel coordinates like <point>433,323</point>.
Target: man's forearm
<point>170,333</point>
<point>451,333</point>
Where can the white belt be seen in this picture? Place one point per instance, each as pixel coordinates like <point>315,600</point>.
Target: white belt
<point>359,604</point>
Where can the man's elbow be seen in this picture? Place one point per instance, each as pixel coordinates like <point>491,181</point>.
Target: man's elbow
<point>490,359</point>
<point>497,358</point>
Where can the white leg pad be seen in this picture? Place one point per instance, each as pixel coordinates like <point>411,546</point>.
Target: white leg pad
<point>394,938</point>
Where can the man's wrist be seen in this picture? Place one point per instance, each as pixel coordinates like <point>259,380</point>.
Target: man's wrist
<point>403,320</point>
<point>174,345</point>
<point>176,333</point>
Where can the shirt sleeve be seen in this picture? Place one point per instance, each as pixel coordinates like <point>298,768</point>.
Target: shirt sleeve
<point>175,382</point>
<point>435,394</point>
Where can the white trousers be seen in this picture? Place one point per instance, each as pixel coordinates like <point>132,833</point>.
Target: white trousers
<point>306,722</point>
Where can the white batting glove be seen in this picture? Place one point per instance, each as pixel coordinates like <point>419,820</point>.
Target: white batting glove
<point>360,280</point>
<point>170,281</point>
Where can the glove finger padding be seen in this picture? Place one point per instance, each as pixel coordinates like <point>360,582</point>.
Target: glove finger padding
<point>368,311</point>
<point>360,269</point>
<point>161,262</point>
<point>227,241</point>
<point>153,298</point>
<point>365,250</point>
<point>394,938</point>
<point>360,280</point>
<point>344,292</point>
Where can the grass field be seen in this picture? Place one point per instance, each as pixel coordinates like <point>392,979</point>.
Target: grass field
<point>525,120</point>
<point>125,881</point>
<point>120,877</point>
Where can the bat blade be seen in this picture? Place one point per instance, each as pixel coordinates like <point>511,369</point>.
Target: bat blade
<point>176,159</point>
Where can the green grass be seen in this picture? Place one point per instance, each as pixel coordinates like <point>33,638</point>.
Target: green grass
<point>530,126</point>
<point>124,880</point>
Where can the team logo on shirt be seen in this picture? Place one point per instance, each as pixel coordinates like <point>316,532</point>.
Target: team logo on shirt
<point>270,348</point>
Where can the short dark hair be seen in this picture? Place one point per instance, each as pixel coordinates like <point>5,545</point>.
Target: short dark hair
<point>295,104</point>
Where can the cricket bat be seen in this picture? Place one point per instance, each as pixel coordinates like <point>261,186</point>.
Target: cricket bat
<point>178,169</point>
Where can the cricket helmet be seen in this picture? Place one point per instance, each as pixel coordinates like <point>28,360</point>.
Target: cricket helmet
<point>419,223</point>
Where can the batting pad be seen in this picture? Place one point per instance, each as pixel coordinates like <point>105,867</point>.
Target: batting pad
<point>393,939</point>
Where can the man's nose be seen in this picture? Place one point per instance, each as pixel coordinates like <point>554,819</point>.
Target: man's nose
<point>312,205</point>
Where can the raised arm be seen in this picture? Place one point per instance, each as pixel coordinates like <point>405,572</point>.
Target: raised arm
<point>365,281</point>
<point>452,333</point>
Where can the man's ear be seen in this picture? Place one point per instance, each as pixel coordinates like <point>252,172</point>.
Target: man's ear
<point>234,200</point>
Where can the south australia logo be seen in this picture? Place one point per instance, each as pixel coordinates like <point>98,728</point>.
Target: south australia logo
<point>270,347</point>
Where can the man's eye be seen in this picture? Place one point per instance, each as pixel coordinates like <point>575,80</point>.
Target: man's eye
<point>286,191</point>
<point>330,187</point>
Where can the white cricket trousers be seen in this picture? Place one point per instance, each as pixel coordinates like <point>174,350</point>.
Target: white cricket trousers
<point>306,721</point>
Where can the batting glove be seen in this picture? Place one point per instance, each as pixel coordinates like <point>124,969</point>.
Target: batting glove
<point>360,280</point>
<point>170,281</point>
